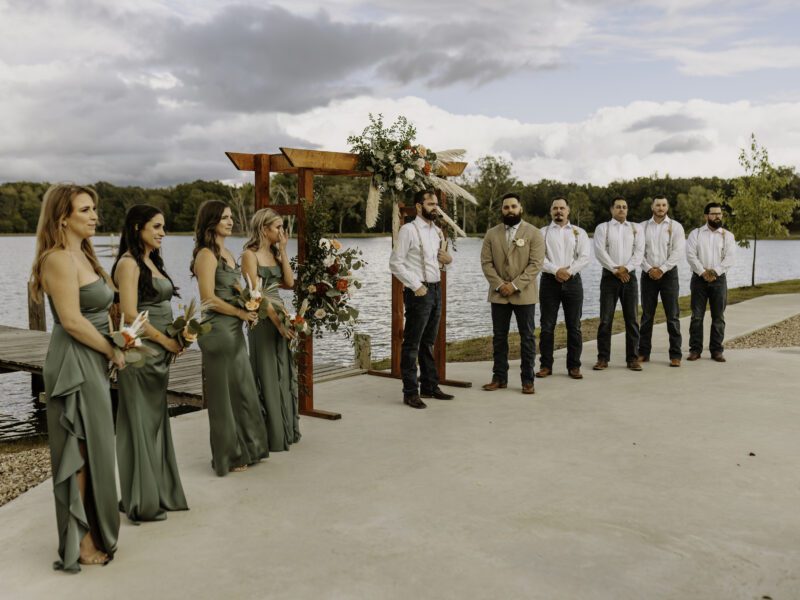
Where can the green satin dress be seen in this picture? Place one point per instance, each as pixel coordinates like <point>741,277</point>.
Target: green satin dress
<point>80,424</point>
<point>148,471</point>
<point>238,434</point>
<point>275,374</point>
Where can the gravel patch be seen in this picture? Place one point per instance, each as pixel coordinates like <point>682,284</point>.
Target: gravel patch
<point>21,468</point>
<point>785,334</point>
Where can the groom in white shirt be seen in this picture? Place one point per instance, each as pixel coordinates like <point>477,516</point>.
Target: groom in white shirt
<point>415,261</point>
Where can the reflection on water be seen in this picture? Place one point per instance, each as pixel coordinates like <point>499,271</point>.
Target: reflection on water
<point>467,310</point>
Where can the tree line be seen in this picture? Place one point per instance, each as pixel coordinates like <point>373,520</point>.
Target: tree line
<point>488,181</point>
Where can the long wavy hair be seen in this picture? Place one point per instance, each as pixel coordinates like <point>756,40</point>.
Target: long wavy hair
<point>130,241</point>
<point>262,218</point>
<point>208,217</point>
<point>51,236</point>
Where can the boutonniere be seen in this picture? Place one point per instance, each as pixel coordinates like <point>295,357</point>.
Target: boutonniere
<point>520,242</point>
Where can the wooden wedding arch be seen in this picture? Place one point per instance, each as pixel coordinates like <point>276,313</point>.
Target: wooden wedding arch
<point>305,164</point>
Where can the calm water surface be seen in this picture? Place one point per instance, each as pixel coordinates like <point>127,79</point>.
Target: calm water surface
<point>467,311</point>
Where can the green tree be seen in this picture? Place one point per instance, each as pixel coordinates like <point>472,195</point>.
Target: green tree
<point>494,178</point>
<point>580,211</point>
<point>756,212</point>
<point>689,206</point>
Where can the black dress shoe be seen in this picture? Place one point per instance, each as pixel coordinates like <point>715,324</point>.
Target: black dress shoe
<point>438,394</point>
<point>414,401</point>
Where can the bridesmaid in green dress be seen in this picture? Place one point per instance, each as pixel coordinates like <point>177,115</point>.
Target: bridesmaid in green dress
<point>238,434</point>
<point>265,257</point>
<point>79,421</point>
<point>148,471</point>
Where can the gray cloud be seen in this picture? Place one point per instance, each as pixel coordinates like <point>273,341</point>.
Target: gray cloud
<point>522,148</point>
<point>668,123</point>
<point>682,143</point>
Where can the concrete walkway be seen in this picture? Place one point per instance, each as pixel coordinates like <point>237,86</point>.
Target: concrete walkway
<point>669,483</point>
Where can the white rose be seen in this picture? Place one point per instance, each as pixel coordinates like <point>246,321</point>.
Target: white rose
<point>379,155</point>
<point>410,174</point>
<point>398,168</point>
<point>398,184</point>
<point>325,243</point>
<point>320,313</point>
<point>420,162</point>
<point>328,260</point>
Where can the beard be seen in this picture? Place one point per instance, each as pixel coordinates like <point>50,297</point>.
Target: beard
<point>511,220</point>
<point>715,224</point>
<point>430,215</point>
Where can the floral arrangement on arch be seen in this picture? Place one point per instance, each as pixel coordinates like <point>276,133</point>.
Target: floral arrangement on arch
<point>326,279</point>
<point>401,167</point>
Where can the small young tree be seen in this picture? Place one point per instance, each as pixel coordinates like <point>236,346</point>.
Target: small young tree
<point>756,212</point>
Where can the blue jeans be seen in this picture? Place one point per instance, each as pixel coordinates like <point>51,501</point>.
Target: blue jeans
<point>419,336</point>
<point>570,295</point>
<point>715,295</point>
<point>611,290</point>
<point>501,321</point>
<point>669,289</point>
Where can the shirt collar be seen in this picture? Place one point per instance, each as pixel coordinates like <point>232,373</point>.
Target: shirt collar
<point>567,226</point>
<point>623,224</point>
<point>423,223</point>
<point>712,231</point>
<point>666,220</point>
<point>513,226</point>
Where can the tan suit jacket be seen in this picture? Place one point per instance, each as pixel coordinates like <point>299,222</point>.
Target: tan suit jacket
<point>520,264</point>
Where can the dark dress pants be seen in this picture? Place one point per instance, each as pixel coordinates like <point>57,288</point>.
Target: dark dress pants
<point>715,295</point>
<point>569,295</point>
<point>668,288</point>
<point>611,290</point>
<point>419,336</point>
<point>501,321</point>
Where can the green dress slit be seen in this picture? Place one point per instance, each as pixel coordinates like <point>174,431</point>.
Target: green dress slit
<point>237,431</point>
<point>81,433</point>
<point>273,367</point>
<point>148,471</point>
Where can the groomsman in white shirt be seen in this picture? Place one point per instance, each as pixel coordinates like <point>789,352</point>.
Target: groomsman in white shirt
<point>710,251</point>
<point>664,247</point>
<point>566,254</point>
<point>619,247</point>
<point>415,261</point>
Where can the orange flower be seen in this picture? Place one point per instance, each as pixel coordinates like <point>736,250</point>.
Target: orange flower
<point>341,285</point>
<point>337,245</point>
<point>298,320</point>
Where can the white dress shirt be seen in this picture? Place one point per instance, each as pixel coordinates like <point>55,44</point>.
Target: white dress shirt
<point>710,250</point>
<point>414,256</point>
<point>565,247</point>
<point>619,245</point>
<point>664,244</point>
<point>511,233</point>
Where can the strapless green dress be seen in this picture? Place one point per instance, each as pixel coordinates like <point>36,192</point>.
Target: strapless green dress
<point>273,367</point>
<point>81,433</point>
<point>238,434</point>
<point>148,471</point>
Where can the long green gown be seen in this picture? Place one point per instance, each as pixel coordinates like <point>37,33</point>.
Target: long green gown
<point>79,425</point>
<point>148,471</point>
<point>274,370</point>
<point>238,434</point>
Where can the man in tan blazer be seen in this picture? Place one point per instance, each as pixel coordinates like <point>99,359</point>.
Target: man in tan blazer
<point>511,258</point>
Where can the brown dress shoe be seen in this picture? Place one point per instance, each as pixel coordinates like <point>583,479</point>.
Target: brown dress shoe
<point>600,365</point>
<point>544,372</point>
<point>437,393</point>
<point>674,362</point>
<point>717,356</point>
<point>494,385</point>
<point>575,373</point>
<point>643,358</point>
<point>527,388</point>
<point>693,356</point>
<point>634,365</point>
<point>414,401</point>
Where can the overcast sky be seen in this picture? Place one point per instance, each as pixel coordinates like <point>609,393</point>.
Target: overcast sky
<point>153,92</point>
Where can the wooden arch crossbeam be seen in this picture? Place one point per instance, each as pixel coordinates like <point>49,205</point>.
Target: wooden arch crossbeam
<point>305,164</point>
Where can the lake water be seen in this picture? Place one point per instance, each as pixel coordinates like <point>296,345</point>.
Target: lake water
<point>467,310</point>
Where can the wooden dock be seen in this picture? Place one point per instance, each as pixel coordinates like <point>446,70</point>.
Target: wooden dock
<point>25,350</point>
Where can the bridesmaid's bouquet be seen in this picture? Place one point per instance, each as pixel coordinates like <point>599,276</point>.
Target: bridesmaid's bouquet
<point>190,325</point>
<point>296,323</point>
<point>128,340</point>
<point>251,298</point>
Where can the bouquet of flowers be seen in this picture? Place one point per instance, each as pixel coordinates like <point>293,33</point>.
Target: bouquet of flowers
<point>190,325</point>
<point>293,323</point>
<point>400,166</point>
<point>251,298</point>
<point>326,278</point>
<point>128,340</point>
